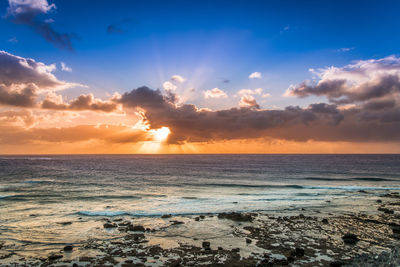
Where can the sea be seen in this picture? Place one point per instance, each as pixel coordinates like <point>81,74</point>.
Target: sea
<point>40,196</point>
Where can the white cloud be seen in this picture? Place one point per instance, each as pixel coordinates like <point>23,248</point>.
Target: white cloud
<point>17,7</point>
<point>255,75</point>
<point>169,86</point>
<point>13,40</point>
<point>257,91</point>
<point>64,67</point>
<point>345,49</point>
<point>214,93</point>
<point>248,101</point>
<point>177,78</point>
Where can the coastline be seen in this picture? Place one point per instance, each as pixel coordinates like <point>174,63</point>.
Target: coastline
<point>296,237</point>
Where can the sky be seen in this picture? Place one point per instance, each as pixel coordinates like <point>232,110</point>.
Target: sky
<point>199,76</point>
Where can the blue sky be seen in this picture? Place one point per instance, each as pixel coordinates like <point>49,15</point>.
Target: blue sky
<point>207,42</point>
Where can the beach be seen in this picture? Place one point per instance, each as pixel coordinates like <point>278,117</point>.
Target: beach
<point>76,214</point>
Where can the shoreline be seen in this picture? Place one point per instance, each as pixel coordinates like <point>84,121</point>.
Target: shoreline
<point>303,237</point>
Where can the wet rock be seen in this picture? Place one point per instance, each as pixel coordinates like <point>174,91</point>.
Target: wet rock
<point>166,216</point>
<point>235,216</point>
<point>202,217</point>
<point>336,264</point>
<point>197,219</point>
<point>325,221</point>
<point>385,210</point>
<point>86,259</point>
<point>206,245</point>
<point>350,239</point>
<point>236,250</point>
<point>118,220</point>
<point>65,223</point>
<point>54,257</point>
<point>299,252</point>
<point>176,222</point>
<point>248,240</point>
<point>174,263</point>
<point>75,265</point>
<point>220,248</point>
<point>379,201</point>
<point>110,225</point>
<point>68,248</point>
<point>136,228</point>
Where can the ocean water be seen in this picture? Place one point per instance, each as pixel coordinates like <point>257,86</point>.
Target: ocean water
<point>39,194</point>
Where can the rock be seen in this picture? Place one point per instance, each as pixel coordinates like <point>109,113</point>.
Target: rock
<point>362,191</point>
<point>75,265</point>
<point>202,217</point>
<point>126,223</point>
<point>396,229</point>
<point>236,250</point>
<point>336,264</point>
<point>136,228</point>
<point>299,252</point>
<point>235,216</point>
<point>206,245</point>
<point>65,223</point>
<point>110,225</point>
<point>248,240</point>
<point>197,219</point>
<point>379,201</point>
<point>385,210</point>
<point>350,239</point>
<point>220,248</point>
<point>117,220</point>
<point>54,257</point>
<point>86,259</point>
<point>176,222</point>
<point>166,216</point>
<point>325,221</point>
<point>68,248</point>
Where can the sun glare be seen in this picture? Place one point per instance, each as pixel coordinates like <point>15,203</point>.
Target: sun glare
<point>161,134</point>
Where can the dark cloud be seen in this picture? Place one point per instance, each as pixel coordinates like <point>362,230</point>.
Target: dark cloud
<point>30,13</point>
<point>361,82</point>
<point>22,79</point>
<point>23,97</point>
<point>83,102</point>
<point>188,123</point>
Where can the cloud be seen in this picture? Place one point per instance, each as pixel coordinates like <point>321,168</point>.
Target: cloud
<point>22,79</point>
<point>191,124</point>
<point>13,40</point>
<point>318,122</point>
<point>83,102</point>
<point>120,27</point>
<point>169,86</point>
<point>255,75</point>
<point>214,93</point>
<point>117,134</point>
<point>30,13</point>
<point>64,67</point>
<point>178,79</point>
<point>257,91</point>
<point>345,49</point>
<point>248,101</point>
<point>362,81</point>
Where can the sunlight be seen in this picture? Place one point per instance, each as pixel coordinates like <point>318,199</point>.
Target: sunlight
<point>161,134</point>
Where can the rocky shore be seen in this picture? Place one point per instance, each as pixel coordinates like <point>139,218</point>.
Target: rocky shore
<point>303,237</point>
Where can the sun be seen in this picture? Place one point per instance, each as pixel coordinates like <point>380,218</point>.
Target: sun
<point>161,134</point>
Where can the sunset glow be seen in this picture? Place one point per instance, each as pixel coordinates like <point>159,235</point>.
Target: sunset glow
<point>275,84</point>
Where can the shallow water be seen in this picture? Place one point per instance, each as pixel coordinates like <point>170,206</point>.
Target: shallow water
<point>40,194</point>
